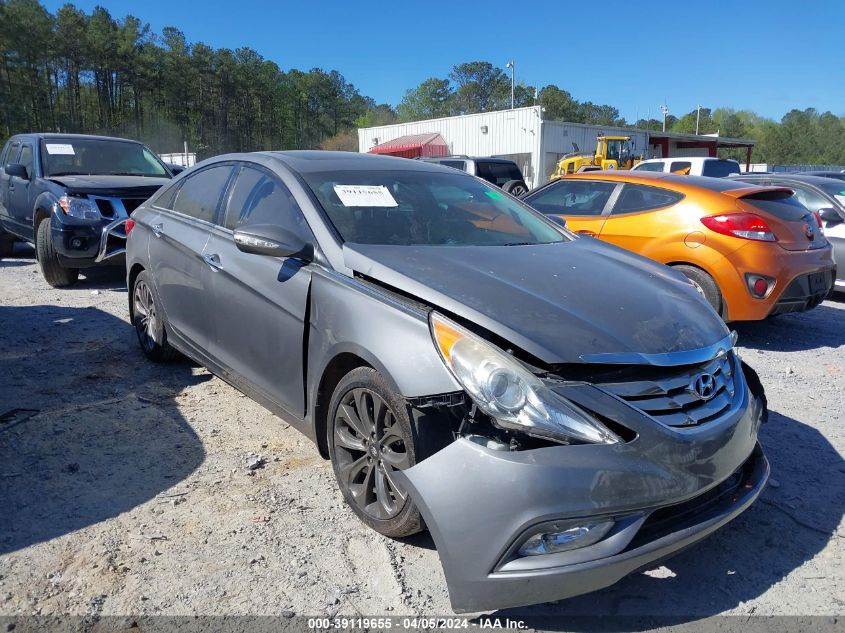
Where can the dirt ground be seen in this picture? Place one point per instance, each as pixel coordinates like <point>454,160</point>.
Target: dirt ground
<point>127,489</point>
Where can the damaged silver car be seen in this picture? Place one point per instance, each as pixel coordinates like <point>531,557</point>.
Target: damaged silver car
<point>556,411</point>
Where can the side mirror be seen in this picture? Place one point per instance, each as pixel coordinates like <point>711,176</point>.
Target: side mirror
<point>273,240</point>
<point>830,215</point>
<point>559,219</point>
<point>17,170</point>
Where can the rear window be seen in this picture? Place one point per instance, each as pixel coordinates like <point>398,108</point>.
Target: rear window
<point>497,173</point>
<point>454,164</point>
<point>658,166</point>
<point>780,204</point>
<point>720,168</point>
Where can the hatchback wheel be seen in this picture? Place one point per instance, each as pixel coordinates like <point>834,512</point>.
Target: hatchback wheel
<point>148,320</point>
<point>705,285</point>
<point>370,439</point>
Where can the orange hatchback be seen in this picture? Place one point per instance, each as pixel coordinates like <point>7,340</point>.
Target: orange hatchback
<point>752,251</point>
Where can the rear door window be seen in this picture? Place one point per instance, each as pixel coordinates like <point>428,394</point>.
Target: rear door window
<point>201,192</point>
<point>658,166</point>
<point>720,168</point>
<point>637,198</point>
<point>258,197</point>
<point>571,197</point>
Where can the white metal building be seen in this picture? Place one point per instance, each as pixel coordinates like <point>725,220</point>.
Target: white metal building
<point>537,145</point>
<point>520,134</point>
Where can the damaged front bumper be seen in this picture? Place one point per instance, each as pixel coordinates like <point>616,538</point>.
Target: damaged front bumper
<point>664,490</point>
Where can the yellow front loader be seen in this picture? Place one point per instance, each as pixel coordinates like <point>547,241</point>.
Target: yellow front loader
<point>612,152</point>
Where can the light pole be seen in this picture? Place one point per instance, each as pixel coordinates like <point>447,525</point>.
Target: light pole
<point>697,118</point>
<point>512,66</point>
<point>665,110</point>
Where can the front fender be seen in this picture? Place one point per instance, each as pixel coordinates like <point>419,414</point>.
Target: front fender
<point>389,333</point>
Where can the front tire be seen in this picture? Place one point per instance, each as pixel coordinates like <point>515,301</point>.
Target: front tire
<point>705,284</point>
<point>54,273</point>
<point>370,438</point>
<point>148,320</point>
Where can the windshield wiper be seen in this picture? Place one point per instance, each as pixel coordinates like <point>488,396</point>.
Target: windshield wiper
<point>66,173</point>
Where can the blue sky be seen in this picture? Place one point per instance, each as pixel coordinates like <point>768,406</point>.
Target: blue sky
<point>768,56</point>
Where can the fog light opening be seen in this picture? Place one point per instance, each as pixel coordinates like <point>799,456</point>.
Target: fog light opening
<point>759,286</point>
<point>76,242</point>
<point>565,536</point>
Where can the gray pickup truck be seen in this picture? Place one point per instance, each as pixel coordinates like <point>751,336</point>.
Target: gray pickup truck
<point>69,195</point>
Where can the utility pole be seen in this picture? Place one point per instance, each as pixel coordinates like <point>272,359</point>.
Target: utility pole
<point>512,66</point>
<point>665,110</point>
<point>697,119</point>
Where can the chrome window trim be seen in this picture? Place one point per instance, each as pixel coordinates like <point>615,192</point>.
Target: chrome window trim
<point>667,359</point>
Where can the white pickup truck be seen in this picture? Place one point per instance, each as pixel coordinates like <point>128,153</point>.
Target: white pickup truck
<point>692,166</point>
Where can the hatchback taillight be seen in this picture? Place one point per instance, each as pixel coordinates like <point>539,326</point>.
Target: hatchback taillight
<point>744,225</point>
<point>130,224</point>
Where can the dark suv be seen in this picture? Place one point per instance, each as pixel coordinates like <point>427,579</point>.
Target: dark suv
<point>70,196</point>
<point>501,172</point>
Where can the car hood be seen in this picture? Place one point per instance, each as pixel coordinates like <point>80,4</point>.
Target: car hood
<point>558,302</point>
<point>111,185</point>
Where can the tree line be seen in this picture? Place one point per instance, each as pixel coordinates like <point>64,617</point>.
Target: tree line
<point>81,72</point>
<point>77,72</point>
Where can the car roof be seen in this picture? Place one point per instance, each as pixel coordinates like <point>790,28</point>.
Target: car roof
<point>488,159</point>
<point>314,161</point>
<point>673,182</point>
<point>47,136</point>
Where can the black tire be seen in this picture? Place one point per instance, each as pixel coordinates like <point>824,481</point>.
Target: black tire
<point>7,246</point>
<point>148,320</point>
<point>515,187</point>
<point>705,284</point>
<point>366,449</point>
<point>54,273</point>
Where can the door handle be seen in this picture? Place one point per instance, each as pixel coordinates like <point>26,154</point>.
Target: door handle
<point>157,229</point>
<point>213,261</point>
<point>585,232</point>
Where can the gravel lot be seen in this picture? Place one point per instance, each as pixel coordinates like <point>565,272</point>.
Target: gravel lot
<point>128,490</point>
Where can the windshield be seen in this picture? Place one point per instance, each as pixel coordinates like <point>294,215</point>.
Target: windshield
<point>408,208</point>
<point>98,157</point>
<point>614,150</point>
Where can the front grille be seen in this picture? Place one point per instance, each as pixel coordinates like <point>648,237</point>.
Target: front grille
<point>670,396</point>
<point>105,207</point>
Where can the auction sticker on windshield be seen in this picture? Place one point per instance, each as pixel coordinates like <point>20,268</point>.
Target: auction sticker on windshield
<point>365,196</point>
<point>60,148</point>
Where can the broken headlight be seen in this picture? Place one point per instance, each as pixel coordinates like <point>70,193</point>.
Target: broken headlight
<point>510,394</point>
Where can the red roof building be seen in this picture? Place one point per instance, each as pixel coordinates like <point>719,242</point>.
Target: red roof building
<point>413,146</point>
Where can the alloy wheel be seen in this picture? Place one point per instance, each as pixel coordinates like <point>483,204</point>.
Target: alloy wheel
<point>370,446</point>
<point>145,315</point>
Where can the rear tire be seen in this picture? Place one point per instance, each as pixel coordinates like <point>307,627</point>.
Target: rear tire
<point>370,436</point>
<point>148,320</point>
<point>515,187</point>
<point>54,273</point>
<point>705,285</point>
